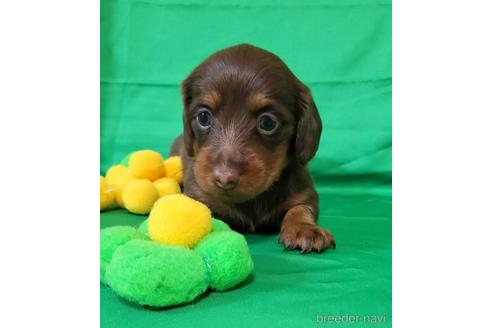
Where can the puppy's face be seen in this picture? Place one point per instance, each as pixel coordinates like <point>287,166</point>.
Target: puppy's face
<point>245,117</point>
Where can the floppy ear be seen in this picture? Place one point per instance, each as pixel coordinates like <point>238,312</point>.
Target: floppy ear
<point>188,135</point>
<point>308,126</point>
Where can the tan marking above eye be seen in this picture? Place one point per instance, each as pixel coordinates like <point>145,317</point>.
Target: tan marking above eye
<point>211,99</point>
<point>258,101</point>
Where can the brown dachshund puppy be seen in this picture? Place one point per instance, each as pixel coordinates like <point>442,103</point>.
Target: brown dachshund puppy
<point>250,127</point>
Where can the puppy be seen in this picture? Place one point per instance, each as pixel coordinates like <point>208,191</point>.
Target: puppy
<point>250,128</point>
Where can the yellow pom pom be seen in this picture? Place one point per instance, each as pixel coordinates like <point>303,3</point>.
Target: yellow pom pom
<point>179,220</point>
<point>167,186</point>
<point>139,196</point>
<point>105,195</point>
<point>146,164</point>
<point>117,178</point>
<point>174,168</point>
<point>115,172</point>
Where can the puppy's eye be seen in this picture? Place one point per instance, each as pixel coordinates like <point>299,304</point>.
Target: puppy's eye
<point>204,118</point>
<point>267,123</point>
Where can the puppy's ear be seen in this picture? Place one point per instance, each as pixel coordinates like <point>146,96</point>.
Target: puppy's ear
<point>188,135</point>
<point>308,126</point>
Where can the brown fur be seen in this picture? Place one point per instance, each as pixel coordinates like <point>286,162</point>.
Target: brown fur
<point>273,190</point>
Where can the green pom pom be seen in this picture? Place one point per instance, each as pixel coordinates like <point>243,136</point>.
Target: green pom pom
<point>143,228</point>
<point>110,239</point>
<point>227,256</point>
<point>125,160</point>
<point>157,275</point>
<point>218,225</point>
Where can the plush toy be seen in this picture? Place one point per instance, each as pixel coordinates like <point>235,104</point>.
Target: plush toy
<point>217,225</point>
<point>174,168</point>
<point>153,273</point>
<point>227,257</point>
<point>136,172</point>
<point>146,164</point>
<point>117,172</point>
<point>118,178</point>
<point>139,196</point>
<point>112,238</point>
<point>167,186</point>
<point>105,195</point>
<point>179,220</point>
<point>157,275</point>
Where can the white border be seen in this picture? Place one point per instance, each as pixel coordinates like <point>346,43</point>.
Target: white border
<point>49,132</point>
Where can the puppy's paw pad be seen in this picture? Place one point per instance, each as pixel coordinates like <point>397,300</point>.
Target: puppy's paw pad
<point>306,238</point>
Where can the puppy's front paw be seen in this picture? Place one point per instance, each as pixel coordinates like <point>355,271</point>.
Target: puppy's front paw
<point>306,238</point>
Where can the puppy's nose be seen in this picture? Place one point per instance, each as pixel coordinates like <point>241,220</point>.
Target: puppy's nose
<point>227,178</point>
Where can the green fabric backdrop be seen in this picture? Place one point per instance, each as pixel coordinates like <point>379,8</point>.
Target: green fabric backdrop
<point>342,50</point>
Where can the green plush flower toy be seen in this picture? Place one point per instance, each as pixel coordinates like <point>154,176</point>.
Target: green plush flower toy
<point>178,253</point>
